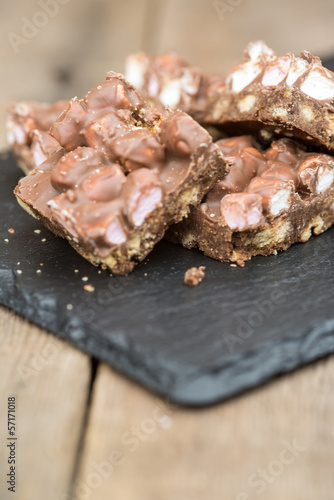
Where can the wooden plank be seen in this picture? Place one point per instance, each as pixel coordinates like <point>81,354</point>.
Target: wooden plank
<point>276,440</point>
<point>75,49</point>
<point>83,40</point>
<point>50,381</point>
<point>214,37</point>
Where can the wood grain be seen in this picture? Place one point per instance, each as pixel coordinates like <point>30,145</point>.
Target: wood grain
<point>87,38</point>
<point>137,446</point>
<point>50,381</point>
<point>214,37</point>
<point>71,54</point>
<point>211,453</point>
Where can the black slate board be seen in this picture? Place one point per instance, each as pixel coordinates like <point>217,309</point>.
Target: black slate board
<point>197,346</point>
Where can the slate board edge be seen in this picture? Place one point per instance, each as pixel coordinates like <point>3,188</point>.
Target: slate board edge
<point>184,390</point>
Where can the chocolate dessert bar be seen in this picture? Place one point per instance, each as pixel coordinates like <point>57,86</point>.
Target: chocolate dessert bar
<point>124,174</point>
<point>288,95</point>
<point>269,200</point>
<point>162,80</point>
<point>167,80</point>
<point>27,131</point>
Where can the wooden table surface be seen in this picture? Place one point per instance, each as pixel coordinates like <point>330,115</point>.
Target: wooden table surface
<point>85,432</point>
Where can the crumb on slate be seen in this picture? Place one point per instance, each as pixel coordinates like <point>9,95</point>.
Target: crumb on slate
<point>19,271</point>
<point>89,288</point>
<point>76,270</point>
<point>6,240</point>
<point>241,263</point>
<point>43,240</point>
<point>85,278</point>
<point>11,230</point>
<point>194,276</point>
<point>233,265</point>
<point>69,307</point>
<point>38,271</point>
<point>37,231</point>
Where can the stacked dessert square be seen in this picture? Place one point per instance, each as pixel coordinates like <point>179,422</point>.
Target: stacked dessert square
<point>118,168</point>
<point>122,174</point>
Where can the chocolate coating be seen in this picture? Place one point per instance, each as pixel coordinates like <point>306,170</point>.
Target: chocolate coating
<point>242,211</point>
<point>276,96</point>
<point>136,149</point>
<point>107,111</point>
<point>143,193</point>
<point>281,176</point>
<point>278,170</point>
<point>27,125</point>
<point>125,173</point>
<point>73,167</point>
<point>167,80</point>
<point>244,161</point>
<point>286,151</point>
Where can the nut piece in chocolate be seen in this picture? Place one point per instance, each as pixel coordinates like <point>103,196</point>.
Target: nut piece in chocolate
<point>287,96</point>
<point>194,276</point>
<point>270,199</point>
<point>124,174</point>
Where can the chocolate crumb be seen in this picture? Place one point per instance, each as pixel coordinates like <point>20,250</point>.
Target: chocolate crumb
<point>11,230</point>
<point>241,263</point>
<point>89,288</point>
<point>194,276</point>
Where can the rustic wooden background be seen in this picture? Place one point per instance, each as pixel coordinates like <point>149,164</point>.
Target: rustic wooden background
<point>77,422</point>
<point>86,38</point>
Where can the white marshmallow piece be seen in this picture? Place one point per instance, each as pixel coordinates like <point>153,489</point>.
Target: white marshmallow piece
<point>318,85</point>
<point>134,72</point>
<point>10,135</point>
<point>325,179</point>
<point>188,83</point>
<point>171,93</point>
<point>19,135</point>
<point>276,71</point>
<point>153,86</point>
<point>297,69</point>
<point>257,49</point>
<point>241,78</point>
<point>115,234</point>
<point>280,201</point>
<point>39,156</point>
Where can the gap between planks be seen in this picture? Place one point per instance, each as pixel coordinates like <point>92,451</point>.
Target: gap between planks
<point>138,446</point>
